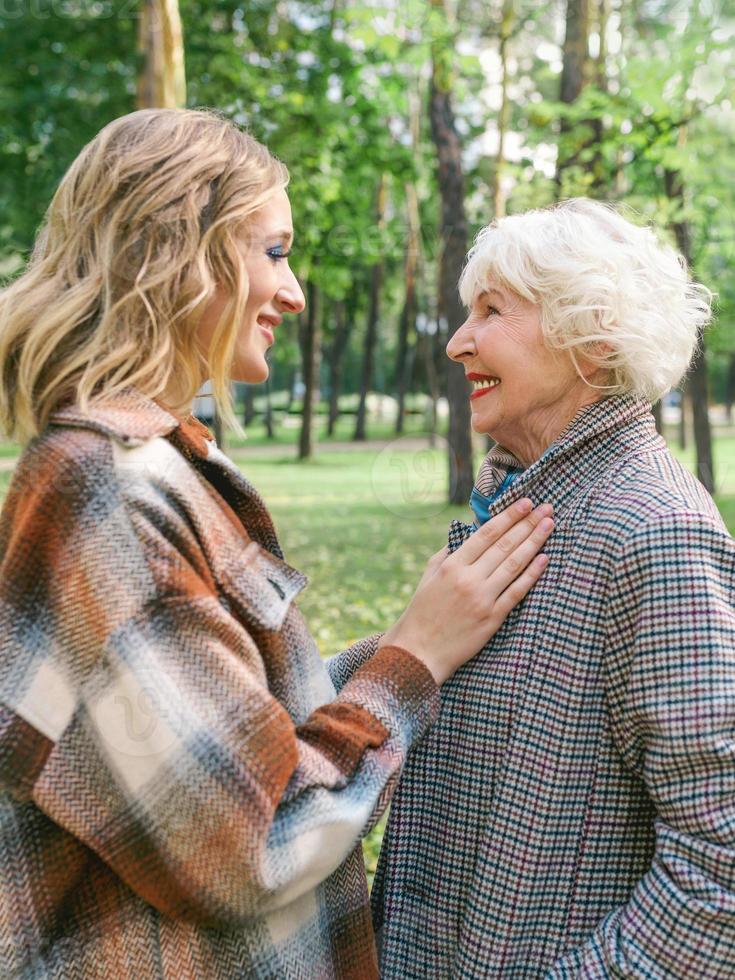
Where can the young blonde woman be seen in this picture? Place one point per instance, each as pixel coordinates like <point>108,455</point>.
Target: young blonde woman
<point>182,794</point>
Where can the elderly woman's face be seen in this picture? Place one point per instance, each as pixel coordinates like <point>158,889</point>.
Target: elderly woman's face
<point>524,394</point>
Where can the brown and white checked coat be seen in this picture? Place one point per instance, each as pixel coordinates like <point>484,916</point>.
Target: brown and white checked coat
<point>180,793</point>
<point>572,812</point>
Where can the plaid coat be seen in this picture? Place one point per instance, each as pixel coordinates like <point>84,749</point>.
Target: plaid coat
<point>180,791</point>
<point>572,813</point>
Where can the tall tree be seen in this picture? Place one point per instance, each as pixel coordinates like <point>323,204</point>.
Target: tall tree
<point>599,185</point>
<point>730,387</point>
<point>407,322</point>
<point>683,415</point>
<point>453,237</point>
<point>575,75</point>
<point>336,360</point>
<point>309,339</point>
<point>162,79</point>
<point>697,382</point>
<point>507,19</point>
<point>371,330</point>
<point>248,415</point>
<point>64,73</point>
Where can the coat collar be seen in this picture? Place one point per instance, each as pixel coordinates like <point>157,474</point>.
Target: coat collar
<point>597,436</point>
<point>132,418</point>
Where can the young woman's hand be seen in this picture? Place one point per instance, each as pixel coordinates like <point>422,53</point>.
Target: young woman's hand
<point>463,598</point>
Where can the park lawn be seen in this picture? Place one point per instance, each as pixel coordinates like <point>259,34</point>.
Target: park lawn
<point>287,430</point>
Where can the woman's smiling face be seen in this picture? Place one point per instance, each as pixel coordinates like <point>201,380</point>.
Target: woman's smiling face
<point>273,290</point>
<point>525,394</point>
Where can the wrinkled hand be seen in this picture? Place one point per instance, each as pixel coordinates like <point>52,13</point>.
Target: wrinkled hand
<point>463,598</point>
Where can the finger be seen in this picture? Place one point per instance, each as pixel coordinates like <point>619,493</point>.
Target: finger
<point>501,549</point>
<point>519,588</point>
<point>519,559</point>
<point>478,543</point>
<point>437,558</point>
<point>434,564</point>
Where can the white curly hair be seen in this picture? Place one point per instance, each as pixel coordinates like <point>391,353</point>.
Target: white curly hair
<point>608,290</point>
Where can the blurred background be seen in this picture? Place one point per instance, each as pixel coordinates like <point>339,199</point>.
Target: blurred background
<point>406,125</point>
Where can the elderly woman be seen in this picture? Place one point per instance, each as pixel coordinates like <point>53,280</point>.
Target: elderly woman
<point>572,813</point>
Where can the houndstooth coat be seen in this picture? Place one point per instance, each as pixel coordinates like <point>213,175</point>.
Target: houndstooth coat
<point>572,813</point>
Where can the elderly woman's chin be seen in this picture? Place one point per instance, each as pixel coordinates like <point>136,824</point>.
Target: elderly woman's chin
<point>481,426</point>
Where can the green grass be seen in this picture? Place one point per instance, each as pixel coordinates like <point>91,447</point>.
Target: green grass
<point>287,429</point>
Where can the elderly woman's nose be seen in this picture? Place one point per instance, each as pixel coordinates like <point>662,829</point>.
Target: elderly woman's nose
<point>461,344</point>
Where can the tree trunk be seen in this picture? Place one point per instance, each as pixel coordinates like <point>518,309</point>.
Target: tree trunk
<point>506,28</point>
<point>310,354</point>
<point>600,181</point>
<point>697,378</point>
<point>730,388</point>
<point>336,359</point>
<point>293,376</point>
<point>269,429</point>
<point>427,349</point>
<point>407,324</point>
<point>699,389</point>
<point>575,68</point>
<point>371,331</point>
<point>574,77</point>
<point>162,79</point>
<point>248,415</point>
<point>453,251</point>
<point>658,417</point>
<point>683,412</point>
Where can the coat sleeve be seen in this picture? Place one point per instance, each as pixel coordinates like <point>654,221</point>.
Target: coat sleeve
<point>670,662</point>
<point>343,665</point>
<point>136,713</point>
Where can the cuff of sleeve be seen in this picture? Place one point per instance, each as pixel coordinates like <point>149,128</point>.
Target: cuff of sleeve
<point>342,731</point>
<point>397,689</point>
<point>342,666</point>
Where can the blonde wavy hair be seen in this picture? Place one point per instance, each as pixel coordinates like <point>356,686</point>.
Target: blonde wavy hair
<point>142,230</point>
<point>608,290</point>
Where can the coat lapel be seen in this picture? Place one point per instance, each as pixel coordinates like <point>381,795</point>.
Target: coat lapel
<point>611,428</point>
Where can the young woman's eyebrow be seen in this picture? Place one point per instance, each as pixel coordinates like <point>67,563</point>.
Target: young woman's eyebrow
<point>285,234</point>
<point>269,235</point>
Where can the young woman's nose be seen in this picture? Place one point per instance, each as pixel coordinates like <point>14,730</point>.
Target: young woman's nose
<point>291,295</point>
<point>461,344</point>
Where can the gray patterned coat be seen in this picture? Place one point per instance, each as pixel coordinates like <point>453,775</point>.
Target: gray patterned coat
<point>572,813</point>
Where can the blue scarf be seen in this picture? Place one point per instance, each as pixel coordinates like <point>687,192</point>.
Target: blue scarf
<point>498,471</point>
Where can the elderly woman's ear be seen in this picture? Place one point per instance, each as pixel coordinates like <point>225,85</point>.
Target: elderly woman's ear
<point>593,366</point>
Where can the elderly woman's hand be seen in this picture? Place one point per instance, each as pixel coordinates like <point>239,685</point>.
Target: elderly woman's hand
<point>464,598</point>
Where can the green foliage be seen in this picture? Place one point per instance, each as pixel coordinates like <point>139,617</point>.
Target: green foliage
<point>65,71</point>
<point>329,86</point>
<point>665,108</point>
